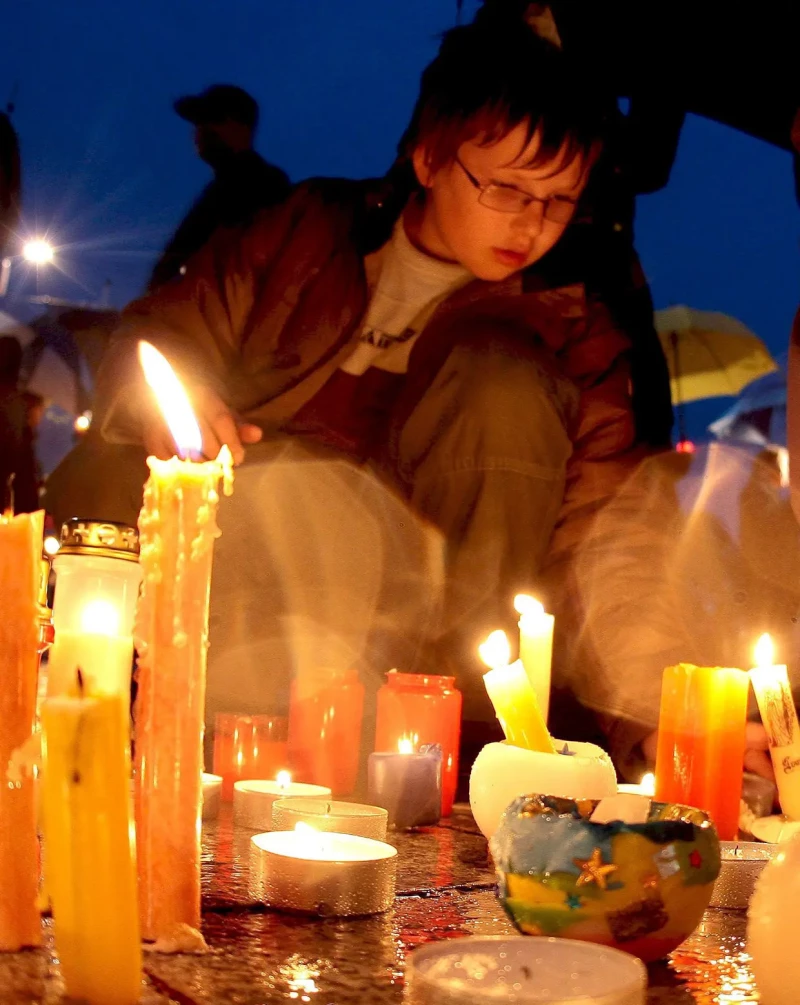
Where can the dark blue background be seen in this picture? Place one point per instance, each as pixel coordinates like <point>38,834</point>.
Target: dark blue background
<point>109,169</point>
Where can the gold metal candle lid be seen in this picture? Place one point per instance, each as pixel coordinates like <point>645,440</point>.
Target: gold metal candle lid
<point>100,538</point>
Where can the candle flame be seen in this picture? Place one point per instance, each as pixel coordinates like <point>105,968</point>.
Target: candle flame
<point>405,746</point>
<point>764,651</point>
<point>648,784</point>
<point>283,778</point>
<point>495,651</point>
<point>172,400</point>
<point>303,828</point>
<point>528,606</point>
<point>100,617</point>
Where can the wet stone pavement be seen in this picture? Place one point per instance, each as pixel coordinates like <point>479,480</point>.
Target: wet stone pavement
<point>445,889</point>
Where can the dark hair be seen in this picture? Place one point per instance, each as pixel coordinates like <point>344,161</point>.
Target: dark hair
<point>494,75</point>
<point>10,359</point>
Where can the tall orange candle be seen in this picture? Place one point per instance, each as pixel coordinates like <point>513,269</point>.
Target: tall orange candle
<point>20,561</point>
<point>701,741</point>
<point>177,528</point>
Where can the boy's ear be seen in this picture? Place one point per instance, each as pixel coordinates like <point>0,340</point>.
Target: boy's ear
<point>421,161</point>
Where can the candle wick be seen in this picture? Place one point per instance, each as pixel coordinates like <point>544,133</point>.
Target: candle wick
<point>328,809</point>
<point>8,509</point>
<point>79,674</point>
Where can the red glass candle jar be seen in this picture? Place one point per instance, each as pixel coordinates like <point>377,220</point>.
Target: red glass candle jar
<point>248,746</point>
<point>423,709</point>
<point>326,709</point>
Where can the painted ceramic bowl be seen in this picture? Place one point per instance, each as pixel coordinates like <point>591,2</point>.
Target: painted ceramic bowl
<point>638,887</point>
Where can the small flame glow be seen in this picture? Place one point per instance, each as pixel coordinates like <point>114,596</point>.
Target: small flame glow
<point>172,400</point>
<point>527,606</point>
<point>283,778</point>
<point>495,651</point>
<point>648,784</point>
<point>303,828</point>
<point>764,651</point>
<point>100,617</point>
<point>51,545</point>
<point>83,422</point>
<point>405,746</point>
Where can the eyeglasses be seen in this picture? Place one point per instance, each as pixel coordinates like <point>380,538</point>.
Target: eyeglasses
<point>507,199</point>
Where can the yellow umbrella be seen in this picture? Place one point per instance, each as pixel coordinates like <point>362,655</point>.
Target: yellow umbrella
<point>710,355</point>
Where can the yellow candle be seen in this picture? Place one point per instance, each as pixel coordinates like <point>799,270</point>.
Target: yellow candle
<point>177,529</point>
<point>513,697</point>
<point>90,862</point>
<point>20,557</point>
<point>776,704</point>
<point>536,647</point>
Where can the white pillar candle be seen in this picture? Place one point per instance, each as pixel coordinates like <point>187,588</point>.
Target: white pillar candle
<point>776,704</point>
<point>477,970</point>
<point>502,772</point>
<point>536,646</point>
<point>772,923</point>
<point>324,815</point>
<point>253,799</point>
<point>321,873</point>
<point>742,862</point>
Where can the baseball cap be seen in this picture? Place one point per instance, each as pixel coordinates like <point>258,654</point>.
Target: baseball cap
<point>218,103</point>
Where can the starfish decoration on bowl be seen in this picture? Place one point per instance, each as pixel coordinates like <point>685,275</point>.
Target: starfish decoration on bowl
<point>594,870</point>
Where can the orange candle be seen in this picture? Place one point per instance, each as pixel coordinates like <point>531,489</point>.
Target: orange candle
<point>701,741</point>
<point>325,714</point>
<point>247,747</point>
<point>177,528</point>
<point>20,558</point>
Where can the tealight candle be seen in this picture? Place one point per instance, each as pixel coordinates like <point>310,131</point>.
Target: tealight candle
<point>502,772</point>
<point>482,969</point>
<point>212,793</point>
<point>324,815</point>
<point>646,787</point>
<point>776,704</point>
<point>323,874</point>
<point>408,784</point>
<point>512,696</point>
<point>536,646</point>
<point>742,862</point>
<point>253,799</point>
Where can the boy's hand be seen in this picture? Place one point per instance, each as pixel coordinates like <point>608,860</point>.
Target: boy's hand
<point>217,426</point>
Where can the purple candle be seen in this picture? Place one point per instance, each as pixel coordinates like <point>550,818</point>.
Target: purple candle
<point>407,784</point>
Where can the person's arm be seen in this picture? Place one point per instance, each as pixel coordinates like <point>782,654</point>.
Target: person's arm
<point>197,321</point>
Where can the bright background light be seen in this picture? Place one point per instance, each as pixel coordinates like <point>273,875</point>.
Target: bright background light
<point>51,545</point>
<point>38,252</point>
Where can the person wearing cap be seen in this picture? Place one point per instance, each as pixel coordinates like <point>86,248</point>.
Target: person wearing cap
<point>225,118</point>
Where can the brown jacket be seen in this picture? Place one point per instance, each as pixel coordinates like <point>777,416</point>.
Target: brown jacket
<point>267,316</point>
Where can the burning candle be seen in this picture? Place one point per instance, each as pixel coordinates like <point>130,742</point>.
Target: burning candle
<point>97,585</point>
<point>253,799</point>
<point>776,704</point>
<point>177,529</point>
<point>408,784</point>
<point>513,697</point>
<point>646,787</point>
<point>322,873</point>
<point>536,647</point>
<point>478,969</point>
<point>701,741</point>
<point>20,557</point>
<point>90,864</point>
<point>324,815</point>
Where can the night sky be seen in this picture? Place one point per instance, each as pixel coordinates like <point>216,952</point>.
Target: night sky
<point>109,169</point>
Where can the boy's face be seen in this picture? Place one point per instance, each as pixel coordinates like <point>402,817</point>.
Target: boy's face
<point>491,243</point>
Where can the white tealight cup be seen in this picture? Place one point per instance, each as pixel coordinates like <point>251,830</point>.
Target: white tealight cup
<point>742,862</point>
<point>253,800</point>
<point>212,793</point>
<point>320,873</point>
<point>502,772</point>
<point>478,970</point>
<point>772,923</point>
<point>324,815</point>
